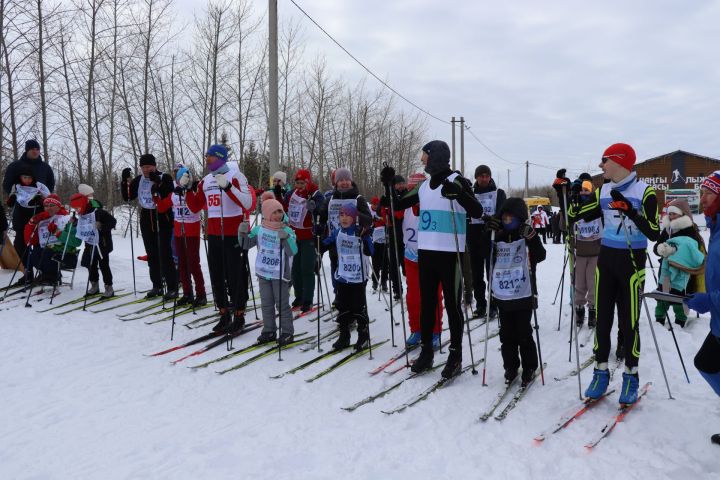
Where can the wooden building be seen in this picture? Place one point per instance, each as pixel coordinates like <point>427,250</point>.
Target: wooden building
<point>672,171</point>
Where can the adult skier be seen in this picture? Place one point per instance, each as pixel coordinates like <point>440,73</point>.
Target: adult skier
<point>444,200</point>
<point>629,210</point>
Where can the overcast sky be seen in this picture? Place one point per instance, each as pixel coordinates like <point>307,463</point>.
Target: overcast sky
<point>550,82</point>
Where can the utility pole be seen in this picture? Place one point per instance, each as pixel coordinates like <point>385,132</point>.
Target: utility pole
<point>462,146</point>
<point>273,127</point>
<point>452,151</point>
<point>527,177</point>
<point>508,181</point>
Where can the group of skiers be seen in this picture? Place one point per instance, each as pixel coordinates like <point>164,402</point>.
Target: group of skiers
<point>420,229</point>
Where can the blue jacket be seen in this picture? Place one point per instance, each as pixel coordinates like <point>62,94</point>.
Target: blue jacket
<point>353,230</point>
<point>712,274</point>
<point>686,256</point>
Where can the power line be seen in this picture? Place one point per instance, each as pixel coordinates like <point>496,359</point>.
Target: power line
<point>366,68</point>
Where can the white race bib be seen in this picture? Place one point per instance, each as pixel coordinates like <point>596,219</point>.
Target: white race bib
<point>297,208</point>
<point>267,261</point>
<point>352,266</point>
<point>378,235</point>
<point>86,230</point>
<point>511,275</point>
<point>45,237</point>
<point>145,193</point>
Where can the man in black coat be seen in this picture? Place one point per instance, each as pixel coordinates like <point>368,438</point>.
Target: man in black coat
<point>41,171</point>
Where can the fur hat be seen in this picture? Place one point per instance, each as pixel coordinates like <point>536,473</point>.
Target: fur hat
<point>85,189</point>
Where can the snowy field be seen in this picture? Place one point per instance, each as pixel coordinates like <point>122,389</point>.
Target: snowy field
<point>80,400</point>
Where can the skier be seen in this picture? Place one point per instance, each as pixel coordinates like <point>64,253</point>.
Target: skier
<point>95,226</point>
<point>228,198</point>
<point>444,201</point>
<point>42,237</point>
<point>25,199</point>
<point>413,294</point>
<point>682,251</point>
<point>517,251</point>
<point>629,209</point>
<point>707,360</point>
<point>354,247</point>
<point>302,204</point>
<point>276,246</point>
<point>491,198</point>
<point>379,263</point>
<point>587,238</point>
<point>394,237</point>
<point>540,222</point>
<point>150,187</point>
<point>186,240</point>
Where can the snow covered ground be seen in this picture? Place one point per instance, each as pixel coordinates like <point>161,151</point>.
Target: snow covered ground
<point>80,400</point>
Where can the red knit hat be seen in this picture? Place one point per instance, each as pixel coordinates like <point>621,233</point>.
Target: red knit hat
<point>52,199</point>
<point>304,175</point>
<point>79,202</point>
<point>620,153</point>
<point>712,182</point>
<point>374,200</point>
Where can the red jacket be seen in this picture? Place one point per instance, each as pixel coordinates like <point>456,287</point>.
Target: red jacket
<point>31,233</point>
<point>197,201</point>
<point>310,192</point>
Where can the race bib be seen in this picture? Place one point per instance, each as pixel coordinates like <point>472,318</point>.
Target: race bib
<point>511,275</point>
<point>297,209</point>
<point>145,193</point>
<point>351,265</point>
<point>589,230</point>
<point>267,262</point>
<point>45,237</point>
<point>378,235</point>
<point>86,230</point>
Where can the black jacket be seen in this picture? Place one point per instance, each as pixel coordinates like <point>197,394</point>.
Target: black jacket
<point>477,234</point>
<point>42,172</point>
<point>163,189</point>
<point>364,214</point>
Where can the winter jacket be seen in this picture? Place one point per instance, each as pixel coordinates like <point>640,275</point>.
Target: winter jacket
<point>129,191</point>
<point>41,171</point>
<point>289,249</point>
<point>367,250</point>
<point>311,192</point>
<point>477,235</point>
<point>683,227</point>
<point>364,214</point>
<point>712,274</point>
<point>686,259</point>
<point>107,225</point>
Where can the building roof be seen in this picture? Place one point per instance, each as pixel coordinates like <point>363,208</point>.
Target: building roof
<point>681,152</point>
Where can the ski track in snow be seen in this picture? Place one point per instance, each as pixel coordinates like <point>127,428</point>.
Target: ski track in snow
<point>79,400</point>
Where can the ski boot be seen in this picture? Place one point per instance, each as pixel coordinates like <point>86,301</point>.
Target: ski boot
<point>599,383</point>
<point>680,322</point>
<point>715,439</point>
<point>510,375</point>
<point>286,339</point>
<point>185,300</point>
<point>238,322</point>
<point>306,307</point>
<point>267,337</point>
<point>579,316</point>
<point>363,340</point>
<point>424,361</point>
<point>200,301</point>
<point>493,312</point>
<point>94,289</point>
<point>414,339</point>
<point>660,320</point>
<point>436,341</point>
<point>109,292</point>
<point>154,292</point>
<point>343,340</point>
<point>224,323</point>
<point>592,320</point>
<point>480,312</point>
<point>454,363</point>
<point>170,295</point>
<point>527,377</point>
<point>629,390</point>
<point>296,303</point>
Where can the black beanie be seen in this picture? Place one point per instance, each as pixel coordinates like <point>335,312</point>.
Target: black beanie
<point>30,144</point>
<point>482,170</point>
<point>147,159</point>
<point>585,176</point>
<point>516,207</point>
<point>439,154</point>
<point>398,179</point>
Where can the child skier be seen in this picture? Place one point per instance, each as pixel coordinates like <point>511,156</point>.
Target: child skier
<point>42,235</point>
<point>588,234</point>
<point>681,249</point>
<point>410,224</point>
<point>95,226</point>
<point>379,263</point>
<point>517,251</point>
<point>353,247</point>
<point>276,246</point>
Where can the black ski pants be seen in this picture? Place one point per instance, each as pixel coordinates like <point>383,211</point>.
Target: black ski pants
<point>228,272</point>
<point>440,268</point>
<point>480,263</point>
<point>516,341</point>
<point>351,304</point>
<point>158,246</point>
<point>379,266</point>
<point>617,284</point>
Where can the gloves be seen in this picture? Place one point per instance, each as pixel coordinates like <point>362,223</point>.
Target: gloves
<point>283,235</point>
<point>700,302</point>
<point>155,177</point>
<point>36,201</point>
<point>527,231</point>
<point>319,230</point>
<point>311,206</point>
<point>10,201</point>
<point>493,223</point>
<point>222,181</point>
<point>277,190</point>
<point>52,228</point>
<point>665,250</point>
<point>386,175</point>
<point>184,180</point>
<point>126,174</point>
<point>155,189</point>
<point>244,228</point>
<point>450,190</point>
<point>621,204</point>
<point>179,190</point>
<point>194,186</point>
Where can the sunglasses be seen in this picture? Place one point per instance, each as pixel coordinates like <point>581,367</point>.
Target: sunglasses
<point>609,157</point>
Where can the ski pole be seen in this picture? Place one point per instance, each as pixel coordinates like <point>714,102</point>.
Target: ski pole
<point>17,267</point>
<point>39,273</point>
<point>639,283</point>
<point>363,282</point>
<point>132,246</point>
<point>573,324</point>
<point>318,261</point>
<point>392,315</point>
<point>537,327</point>
<point>491,267</point>
<point>62,259</point>
<point>562,279</point>
<point>280,279</point>
<point>87,284</point>
<point>203,225</point>
<point>459,294</point>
